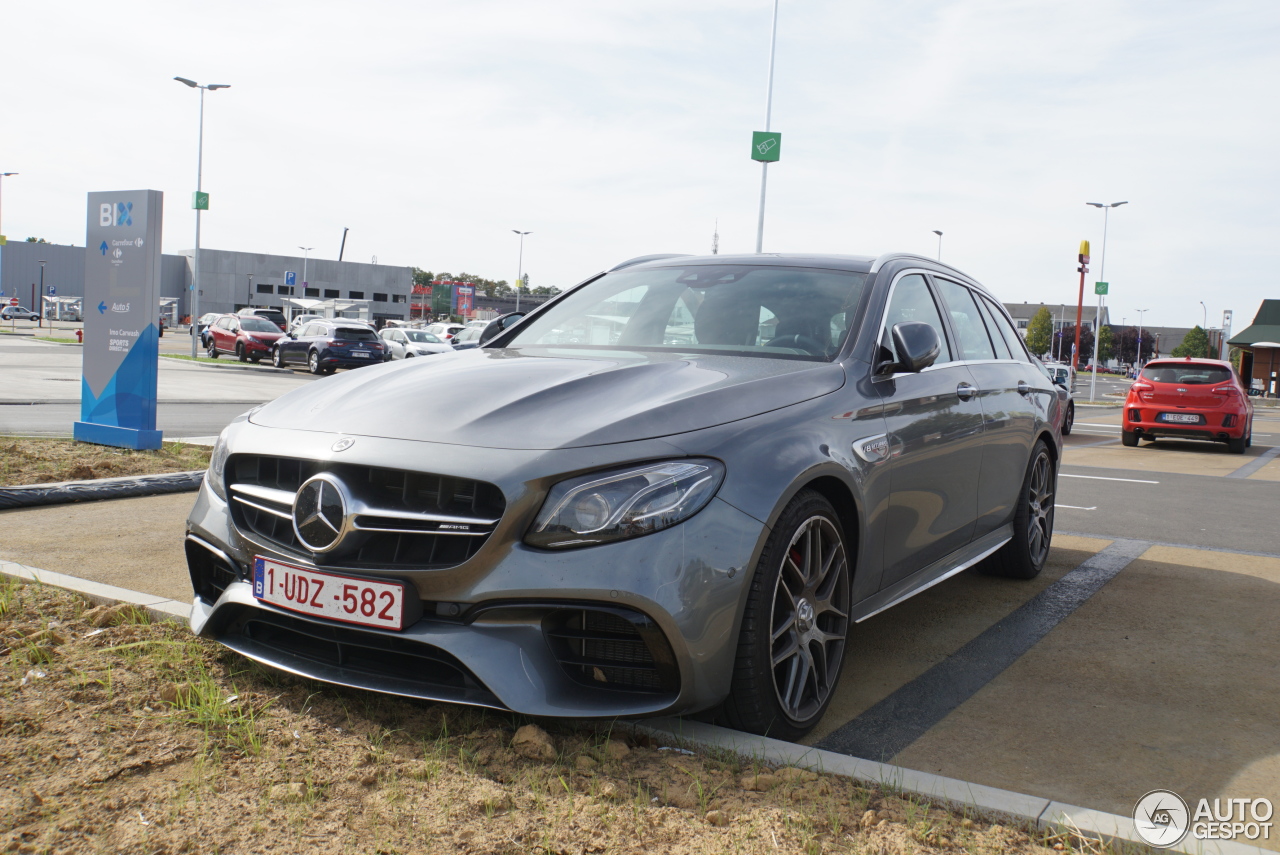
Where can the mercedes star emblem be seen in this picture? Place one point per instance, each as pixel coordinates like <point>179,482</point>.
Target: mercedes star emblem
<point>319,513</point>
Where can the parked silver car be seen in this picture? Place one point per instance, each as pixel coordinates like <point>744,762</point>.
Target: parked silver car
<point>408,343</point>
<point>627,526</point>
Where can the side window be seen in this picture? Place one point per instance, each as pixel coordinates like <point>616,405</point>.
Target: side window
<point>1006,329</point>
<point>966,321</point>
<point>912,301</point>
<point>1001,346</point>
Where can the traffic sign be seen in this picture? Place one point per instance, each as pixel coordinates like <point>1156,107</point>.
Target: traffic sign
<point>766,146</point>
<point>200,200</point>
<point>13,301</point>
<point>53,291</point>
<point>290,278</point>
<point>1100,288</point>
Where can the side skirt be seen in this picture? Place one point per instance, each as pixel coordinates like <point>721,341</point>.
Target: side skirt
<point>938,571</point>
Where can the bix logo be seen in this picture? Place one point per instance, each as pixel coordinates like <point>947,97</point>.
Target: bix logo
<point>117,214</point>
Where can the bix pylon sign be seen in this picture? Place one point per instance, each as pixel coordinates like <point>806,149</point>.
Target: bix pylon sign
<point>121,314</point>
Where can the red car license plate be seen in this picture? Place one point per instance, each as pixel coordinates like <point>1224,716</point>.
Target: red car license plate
<point>329,595</point>
<point>1187,418</point>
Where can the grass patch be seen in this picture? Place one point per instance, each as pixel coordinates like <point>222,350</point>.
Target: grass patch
<point>43,461</point>
<point>55,340</point>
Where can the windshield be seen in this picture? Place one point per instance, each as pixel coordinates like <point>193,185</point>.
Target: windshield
<point>258,325</point>
<point>1189,374</point>
<point>422,337</point>
<point>787,312</point>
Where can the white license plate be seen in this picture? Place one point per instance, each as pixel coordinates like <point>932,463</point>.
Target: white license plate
<point>1189,418</point>
<point>329,595</point>
<point>363,354</point>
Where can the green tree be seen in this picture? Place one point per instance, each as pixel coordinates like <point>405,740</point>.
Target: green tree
<point>36,240</point>
<point>1106,343</point>
<point>1040,332</point>
<point>1195,345</point>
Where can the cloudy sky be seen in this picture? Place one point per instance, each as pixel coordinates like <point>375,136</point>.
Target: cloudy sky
<point>614,129</point>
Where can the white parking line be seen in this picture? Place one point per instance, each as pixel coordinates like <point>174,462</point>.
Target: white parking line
<point>1077,508</point>
<point>1095,424</point>
<point>1100,478</point>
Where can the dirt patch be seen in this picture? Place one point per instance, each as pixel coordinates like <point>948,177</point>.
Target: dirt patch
<point>120,736</point>
<point>43,461</point>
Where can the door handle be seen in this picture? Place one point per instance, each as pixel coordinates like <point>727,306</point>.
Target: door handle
<point>1023,388</point>
<point>965,391</point>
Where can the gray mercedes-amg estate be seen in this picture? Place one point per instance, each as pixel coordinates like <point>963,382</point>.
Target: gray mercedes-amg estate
<point>673,487</point>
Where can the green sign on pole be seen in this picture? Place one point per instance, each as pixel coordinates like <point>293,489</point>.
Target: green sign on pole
<point>200,201</point>
<point>1100,288</point>
<point>765,146</point>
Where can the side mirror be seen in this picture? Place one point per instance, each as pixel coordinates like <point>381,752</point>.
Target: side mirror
<point>499,325</point>
<point>917,345</point>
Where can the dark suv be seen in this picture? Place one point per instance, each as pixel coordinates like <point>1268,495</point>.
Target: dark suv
<point>274,315</point>
<point>325,345</point>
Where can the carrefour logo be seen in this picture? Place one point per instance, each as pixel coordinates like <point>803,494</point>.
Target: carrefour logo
<point>115,214</point>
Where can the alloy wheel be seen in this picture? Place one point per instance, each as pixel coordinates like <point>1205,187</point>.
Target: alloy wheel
<point>1040,495</point>
<point>810,619</point>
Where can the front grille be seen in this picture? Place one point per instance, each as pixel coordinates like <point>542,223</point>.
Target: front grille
<point>405,519</point>
<point>612,648</point>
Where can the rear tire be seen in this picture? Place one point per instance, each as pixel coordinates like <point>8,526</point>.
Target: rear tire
<point>796,624</point>
<point>313,363</point>
<point>1070,420</point>
<point>1236,446</point>
<point>213,349</point>
<point>1128,438</point>
<point>1025,555</point>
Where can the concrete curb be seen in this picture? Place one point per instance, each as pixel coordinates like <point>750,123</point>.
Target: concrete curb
<point>125,487</point>
<point>991,802</point>
<point>159,608</point>
<point>228,366</point>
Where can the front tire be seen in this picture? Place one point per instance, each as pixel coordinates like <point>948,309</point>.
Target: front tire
<point>1025,555</point>
<point>240,354</point>
<point>313,363</point>
<point>1070,421</point>
<point>277,357</point>
<point>796,624</point>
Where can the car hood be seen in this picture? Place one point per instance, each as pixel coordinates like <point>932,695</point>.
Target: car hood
<point>497,398</point>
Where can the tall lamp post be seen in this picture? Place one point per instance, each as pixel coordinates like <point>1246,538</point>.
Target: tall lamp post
<point>1205,327</point>
<point>1102,277</point>
<point>195,264</point>
<point>768,117</point>
<point>1137,361</point>
<point>3,176</point>
<point>40,303</point>
<point>306,252</point>
<point>248,295</point>
<point>520,266</point>
<point>939,234</point>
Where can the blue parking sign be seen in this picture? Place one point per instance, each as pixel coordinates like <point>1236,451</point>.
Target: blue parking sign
<point>53,292</point>
<point>290,278</point>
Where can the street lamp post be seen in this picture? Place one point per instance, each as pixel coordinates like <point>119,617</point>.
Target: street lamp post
<point>1205,325</point>
<point>306,251</point>
<point>768,118</point>
<point>1102,277</point>
<point>195,263</point>
<point>520,266</point>
<point>939,234</point>
<point>40,304</point>
<point>3,176</point>
<point>1137,361</point>
<point>248,295</point>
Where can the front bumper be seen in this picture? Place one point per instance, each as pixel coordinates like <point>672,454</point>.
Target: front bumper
<point>494,627</point>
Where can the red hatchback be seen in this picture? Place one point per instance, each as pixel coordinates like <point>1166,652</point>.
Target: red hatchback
<point>1189,399</point>
<point>248,337</point>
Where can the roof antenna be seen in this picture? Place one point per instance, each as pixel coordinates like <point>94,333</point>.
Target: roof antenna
<point>715,239</point>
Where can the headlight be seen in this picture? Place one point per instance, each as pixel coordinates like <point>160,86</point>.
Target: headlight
<point>622,503</point>
<point>217,463</point>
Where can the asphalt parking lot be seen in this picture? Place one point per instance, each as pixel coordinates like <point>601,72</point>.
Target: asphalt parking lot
<point>1141,658</point>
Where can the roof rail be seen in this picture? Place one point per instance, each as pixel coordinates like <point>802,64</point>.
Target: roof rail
<point>889,256</point>
<point>641,259</point>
